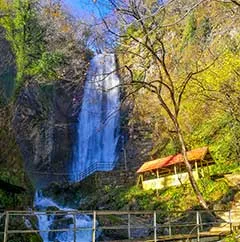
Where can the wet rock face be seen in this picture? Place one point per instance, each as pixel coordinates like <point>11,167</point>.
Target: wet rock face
<point>45,123</point>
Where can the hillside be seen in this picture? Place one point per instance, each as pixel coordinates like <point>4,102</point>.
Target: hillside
<point>143,80</point>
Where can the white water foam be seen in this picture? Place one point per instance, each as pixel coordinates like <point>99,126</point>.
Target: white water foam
<point>50,221</point>
<point>98,128</point>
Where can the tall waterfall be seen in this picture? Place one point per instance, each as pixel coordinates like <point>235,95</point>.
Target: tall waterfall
<point>98,129</point>
<point>98,133</point>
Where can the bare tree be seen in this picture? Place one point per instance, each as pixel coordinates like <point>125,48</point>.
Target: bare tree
<point>236,2</point>
<point>66,35</point>
<point>148,33</point>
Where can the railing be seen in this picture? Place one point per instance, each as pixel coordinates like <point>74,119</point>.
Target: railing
<point>133,225</point>
<point>78,175</point>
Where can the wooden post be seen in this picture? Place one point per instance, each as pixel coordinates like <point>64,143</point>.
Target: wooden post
<point>140,180</point>
<point>129,226</point>
<point>74,228</point>
<point>94,227</point>
<point>157,178</point>
<point>230,221</point>
<point>6,227</point>
<point>202,169</point>
<point>169,227</point>
<point>175,170</point>
<point>155,225</point>
<point>157,173</point>
<point>200,219</point>
<point>198,229</point>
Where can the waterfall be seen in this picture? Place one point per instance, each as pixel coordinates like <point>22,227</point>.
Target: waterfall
<point>98,128</point>
<point>47,222</point>
<point>98,134</point>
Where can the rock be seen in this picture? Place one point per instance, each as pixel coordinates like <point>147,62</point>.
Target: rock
<point>7,68</point>
<point>45,123</point>
<point>51,209</point>
<point>59,222</point>
<point>26,222</point>
<point>121,220</point>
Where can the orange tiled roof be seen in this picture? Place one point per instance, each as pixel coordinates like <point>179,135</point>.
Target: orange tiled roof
<point>193,155</point>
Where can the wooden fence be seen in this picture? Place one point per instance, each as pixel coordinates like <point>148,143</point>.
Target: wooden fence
<point>129,225</point>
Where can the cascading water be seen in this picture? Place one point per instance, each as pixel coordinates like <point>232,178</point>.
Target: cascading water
<point>47,222</point>
<point>98,129</point>
<point>98,134</point>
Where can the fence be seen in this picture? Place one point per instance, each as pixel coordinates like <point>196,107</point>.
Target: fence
<point>130,225</point>
<point>78,175</point>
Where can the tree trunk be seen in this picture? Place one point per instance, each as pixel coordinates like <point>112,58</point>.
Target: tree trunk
<point>189,169</point>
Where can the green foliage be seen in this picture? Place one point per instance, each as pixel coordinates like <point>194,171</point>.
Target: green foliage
<point>172,199</point>
<point>16,178</point>
<point>46,66</point>
<point>232,238</point>
<point>35,238</point>
<point>27,38</point>
<point>220,133</point>
<point>19,31</point>
<point>204,29</point>
<point>213,190</point>
<point>190,30</point>
<point>19,223</point>
<point>173,147</point>
<point>138,199</point>
<point>25,238</point>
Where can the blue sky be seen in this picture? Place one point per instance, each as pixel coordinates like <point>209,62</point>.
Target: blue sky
<point>87,8</point>
<point>91,13</point>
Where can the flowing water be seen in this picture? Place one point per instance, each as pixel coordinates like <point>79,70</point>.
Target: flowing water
<point>95,149</point>
<point>64,221</point>
<point>98,129</point>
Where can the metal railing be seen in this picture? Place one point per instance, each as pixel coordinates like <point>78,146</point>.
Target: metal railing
<point>78,175</point>
<point>130,224</point>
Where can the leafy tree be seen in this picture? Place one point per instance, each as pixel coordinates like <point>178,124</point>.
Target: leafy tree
<point>48,43</point>
<point>163,49</point>
<point>27,38</point>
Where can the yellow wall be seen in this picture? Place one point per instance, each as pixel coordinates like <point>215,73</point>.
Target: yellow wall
<point>168,181</point>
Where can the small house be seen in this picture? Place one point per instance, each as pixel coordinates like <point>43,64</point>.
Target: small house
<point>171,171</point>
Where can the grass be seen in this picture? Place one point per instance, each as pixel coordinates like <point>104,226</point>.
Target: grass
<point>232,238</point>
<point>171,199</point>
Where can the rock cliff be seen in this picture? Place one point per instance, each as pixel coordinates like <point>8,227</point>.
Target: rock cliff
<point>7,68</point>
<point>45,124</point>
